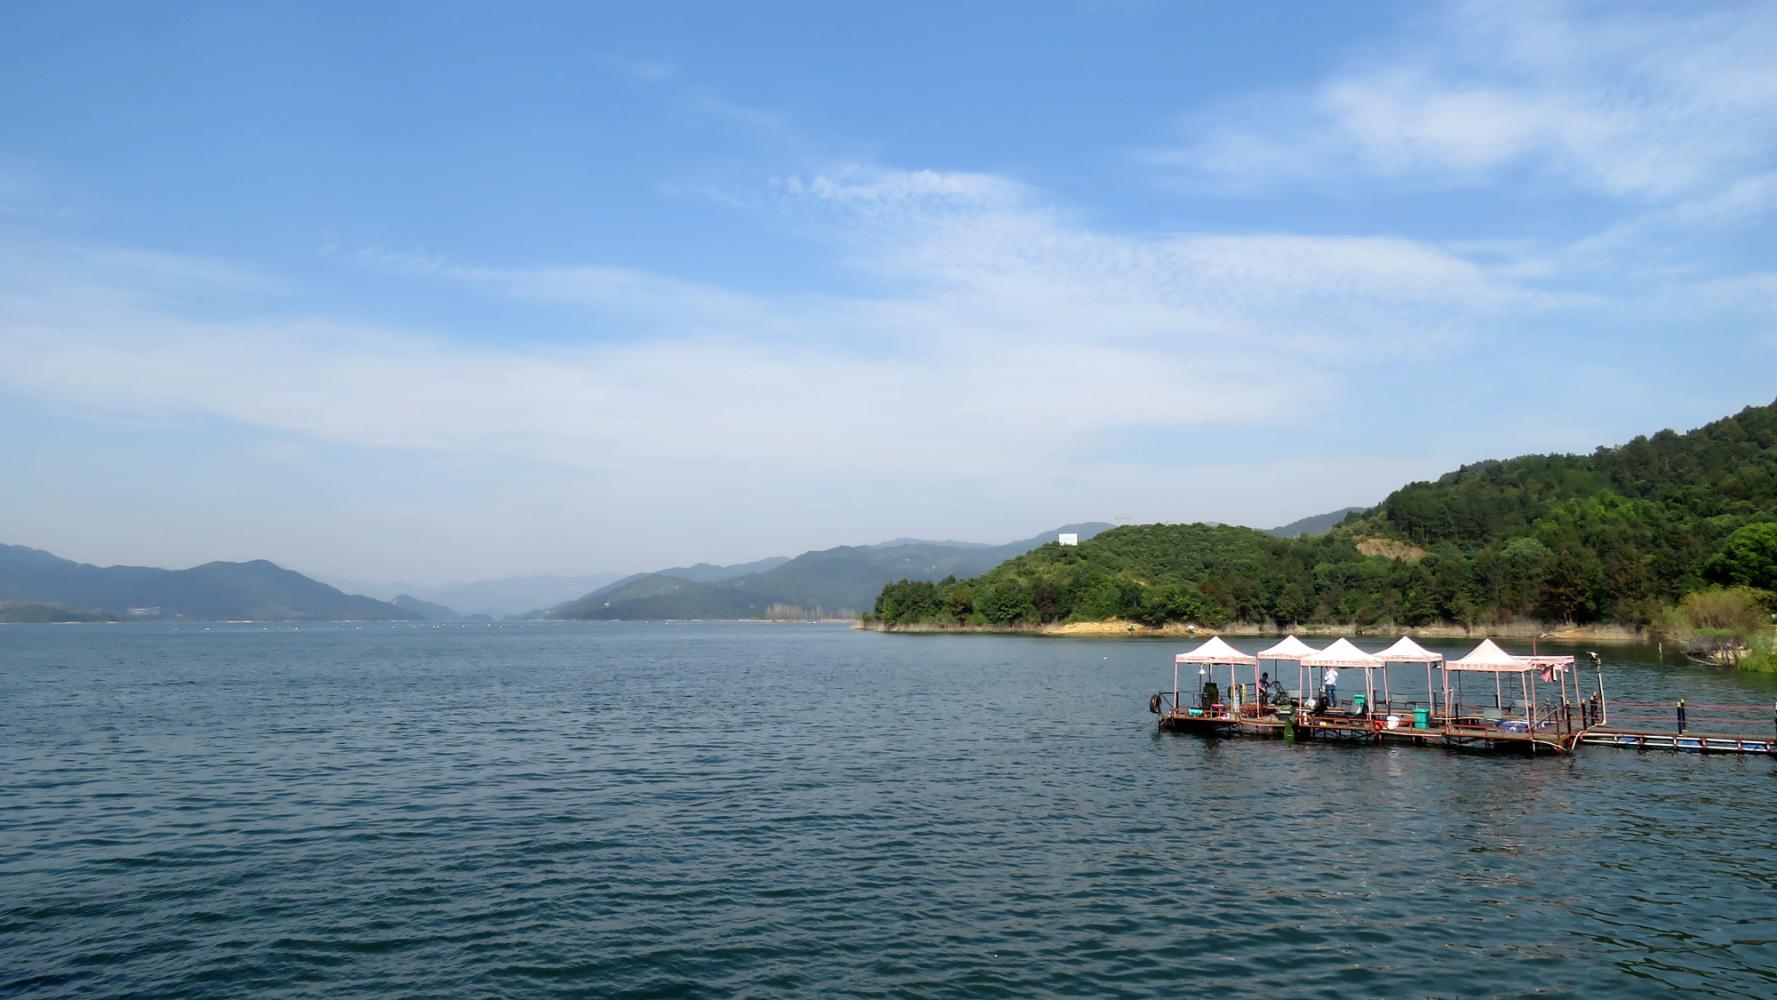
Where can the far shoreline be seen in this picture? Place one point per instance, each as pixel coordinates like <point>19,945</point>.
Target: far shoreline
<point>1114,629</point>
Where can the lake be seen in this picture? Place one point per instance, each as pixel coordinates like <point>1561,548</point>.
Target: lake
<point>761,810</point>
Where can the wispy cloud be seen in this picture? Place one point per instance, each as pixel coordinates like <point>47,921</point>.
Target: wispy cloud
<point>991,309</point>
<point>641,70</point>
<point>996,345</point>
<point>1622,101</point>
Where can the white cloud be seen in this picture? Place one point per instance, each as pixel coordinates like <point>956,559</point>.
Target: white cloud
<point>1000,345</point>
<point>994,314</point>
<point>1624,102</point>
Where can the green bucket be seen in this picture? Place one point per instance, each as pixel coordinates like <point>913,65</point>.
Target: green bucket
<point>1422,718</point>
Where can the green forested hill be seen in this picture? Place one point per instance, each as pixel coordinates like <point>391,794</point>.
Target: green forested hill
<point>1611,536</point>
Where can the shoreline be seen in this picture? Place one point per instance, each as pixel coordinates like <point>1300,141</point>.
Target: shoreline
<point>1114,629</point>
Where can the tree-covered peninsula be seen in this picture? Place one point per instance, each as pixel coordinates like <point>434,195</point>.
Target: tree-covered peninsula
<point>1618,536</point>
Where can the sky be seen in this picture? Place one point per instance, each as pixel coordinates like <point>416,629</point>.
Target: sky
<point>442,291</point>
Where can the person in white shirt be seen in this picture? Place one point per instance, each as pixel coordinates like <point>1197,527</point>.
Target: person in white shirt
<point>1331,679</point>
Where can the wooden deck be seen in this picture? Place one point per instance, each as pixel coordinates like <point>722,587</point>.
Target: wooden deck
<point>1689,742</point>
<point>1460,734</point>
<point>1464,734</point>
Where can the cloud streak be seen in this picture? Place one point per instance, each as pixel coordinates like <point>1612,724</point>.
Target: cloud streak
<point>995,320</point>
<point>1628,103</point>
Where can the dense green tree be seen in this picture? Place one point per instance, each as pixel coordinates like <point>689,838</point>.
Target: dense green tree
<point>1748,558</point>
<point>1005,603</point>
<point>1614,536</point>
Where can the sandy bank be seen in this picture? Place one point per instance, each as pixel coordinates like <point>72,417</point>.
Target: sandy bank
<point>1123,629</point>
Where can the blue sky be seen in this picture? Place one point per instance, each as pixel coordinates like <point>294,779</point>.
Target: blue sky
<point>454,291</point>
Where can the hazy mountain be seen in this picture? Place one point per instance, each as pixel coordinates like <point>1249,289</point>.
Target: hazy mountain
<point>843,579</point>
<point>949,544</point>
<point>654,595</point>
<point>219,590</point>
<point>708,573</point>
<point>425,609</point>
<point>1319,524</point>
<point>699,573</point>
<point>496,598</point>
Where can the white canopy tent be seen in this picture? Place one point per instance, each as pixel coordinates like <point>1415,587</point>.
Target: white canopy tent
<point>1489,658</point>
<point>1214,652</point>
<point>1405,650</point>
<point>1290,648</point>
<point>1343,654</point>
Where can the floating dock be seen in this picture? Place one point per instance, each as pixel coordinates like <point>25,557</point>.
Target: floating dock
<point>1540,722</point>
<point>1689,742</point>
<point>1466,735</point>
<point>1458,734</point>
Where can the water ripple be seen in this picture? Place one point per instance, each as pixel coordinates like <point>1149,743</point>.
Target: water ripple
<point>744,810</point>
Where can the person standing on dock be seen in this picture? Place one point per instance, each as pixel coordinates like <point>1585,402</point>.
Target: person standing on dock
<point>1331,681</point>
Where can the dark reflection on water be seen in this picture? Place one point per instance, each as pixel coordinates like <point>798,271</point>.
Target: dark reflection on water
<point>758,810</point>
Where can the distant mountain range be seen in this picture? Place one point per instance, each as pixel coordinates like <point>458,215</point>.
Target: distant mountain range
<point>38,586</point>
<point>1319,524</point>
<point>835,581</point>
<point>505,597</point>
<point>425,610</point>
<point>215,591</point>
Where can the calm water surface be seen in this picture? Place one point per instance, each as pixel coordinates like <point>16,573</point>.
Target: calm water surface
<point>754,810</point>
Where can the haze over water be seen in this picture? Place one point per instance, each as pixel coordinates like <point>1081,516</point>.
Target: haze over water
<point>733,809</point>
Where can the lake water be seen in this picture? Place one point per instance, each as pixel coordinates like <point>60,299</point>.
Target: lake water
<point>760,810</point>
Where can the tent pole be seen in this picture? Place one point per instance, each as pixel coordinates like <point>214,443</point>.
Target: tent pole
<point>1603,703</point>
<point>1526,679</point>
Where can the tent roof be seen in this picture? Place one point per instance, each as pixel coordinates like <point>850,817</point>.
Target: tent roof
<point>1405,650</point>
<point>1341,654</point>
<point>1488,656</point>
<point>1217,651</point>
<point>1291,648</point>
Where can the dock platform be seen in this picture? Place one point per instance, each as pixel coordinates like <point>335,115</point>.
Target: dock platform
<point>1687,742</point>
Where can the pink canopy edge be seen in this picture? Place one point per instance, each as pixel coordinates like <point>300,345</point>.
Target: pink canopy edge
<point>1291,648</point>
<point>1405,650</point>
<point>1342,654</point>
<point>1488,657</point>
<point>1218,652</point>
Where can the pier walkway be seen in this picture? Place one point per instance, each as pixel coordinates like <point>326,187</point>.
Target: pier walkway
<point>1692,742</point>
